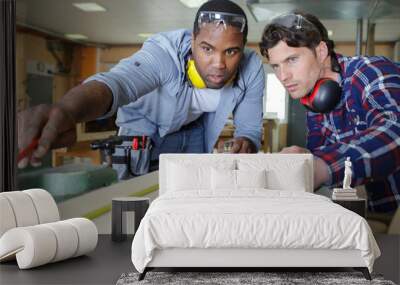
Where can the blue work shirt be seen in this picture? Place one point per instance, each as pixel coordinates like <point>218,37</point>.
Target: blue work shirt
<point>153,94</point>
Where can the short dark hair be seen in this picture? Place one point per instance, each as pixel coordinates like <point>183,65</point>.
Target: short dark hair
<point>223,6</point>
<point>310,38</point>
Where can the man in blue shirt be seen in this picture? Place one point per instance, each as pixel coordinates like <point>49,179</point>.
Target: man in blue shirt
<point>353,102</point>
<point>178,90</point>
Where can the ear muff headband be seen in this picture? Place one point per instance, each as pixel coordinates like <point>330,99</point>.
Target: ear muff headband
<point>324,96</point>
<point>194,75</point>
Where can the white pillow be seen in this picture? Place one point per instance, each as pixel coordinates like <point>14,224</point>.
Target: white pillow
<point>293,179</point>
<point>281,173</point>
<point>223,179</point>
<point>251,178</point>
<point>185,174</point>
<point>183,178</point>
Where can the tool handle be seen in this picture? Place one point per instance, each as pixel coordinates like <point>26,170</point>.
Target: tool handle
<point>28,150</point>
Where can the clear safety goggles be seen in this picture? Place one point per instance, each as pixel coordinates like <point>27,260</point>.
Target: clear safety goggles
<point>294,22</point>
<point>224,19</point>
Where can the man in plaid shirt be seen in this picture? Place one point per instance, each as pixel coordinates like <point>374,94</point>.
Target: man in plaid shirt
<point>365,122</point>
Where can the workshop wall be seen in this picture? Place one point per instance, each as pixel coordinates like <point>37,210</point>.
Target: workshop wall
<point>34,57</point>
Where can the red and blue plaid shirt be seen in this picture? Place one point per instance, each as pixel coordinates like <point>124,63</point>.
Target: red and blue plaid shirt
<point>364,126</point>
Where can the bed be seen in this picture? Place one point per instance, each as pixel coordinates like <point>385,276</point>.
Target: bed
<point>247,210</point>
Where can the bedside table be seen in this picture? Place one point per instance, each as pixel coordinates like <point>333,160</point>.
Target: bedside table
<point>358,206</point>
<point>120,206</point>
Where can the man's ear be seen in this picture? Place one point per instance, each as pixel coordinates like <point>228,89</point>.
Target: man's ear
<point>322,51</point>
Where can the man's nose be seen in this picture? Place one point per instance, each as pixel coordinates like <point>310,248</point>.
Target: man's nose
<point>284,74</point>
<point>219,61</point>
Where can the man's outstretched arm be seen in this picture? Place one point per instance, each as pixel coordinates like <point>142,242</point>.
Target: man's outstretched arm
<point>54,125</point>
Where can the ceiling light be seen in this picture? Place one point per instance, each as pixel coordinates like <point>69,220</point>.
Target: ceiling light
<point>193,3</point>
<point>76,37</point>
<point>330,33</point>
<point>89,7</point>
<point>145,35</point>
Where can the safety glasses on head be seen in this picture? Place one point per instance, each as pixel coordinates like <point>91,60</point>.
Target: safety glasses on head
<point>224,19</point>
<point>294,22</point>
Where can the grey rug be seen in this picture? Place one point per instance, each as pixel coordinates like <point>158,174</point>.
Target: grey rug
<point>230,278</point>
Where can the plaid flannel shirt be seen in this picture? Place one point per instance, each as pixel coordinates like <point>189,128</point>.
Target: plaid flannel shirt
<point>364,126</point>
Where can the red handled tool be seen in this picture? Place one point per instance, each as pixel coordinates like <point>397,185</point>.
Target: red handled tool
<point>28,150</point>
<point>135,144</point>
<point>143,142</point>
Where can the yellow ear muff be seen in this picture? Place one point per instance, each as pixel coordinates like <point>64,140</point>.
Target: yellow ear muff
<point>194,75</point>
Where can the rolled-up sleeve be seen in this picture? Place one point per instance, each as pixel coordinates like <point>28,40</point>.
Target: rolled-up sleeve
<point>136,75</point>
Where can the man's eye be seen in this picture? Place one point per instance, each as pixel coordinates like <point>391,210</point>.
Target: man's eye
<point>206,49</point>
<point>292,59</point>
<point>231,52</point>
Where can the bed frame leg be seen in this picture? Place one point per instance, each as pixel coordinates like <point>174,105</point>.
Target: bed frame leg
<point>143,274</point>
<point>364,271</point>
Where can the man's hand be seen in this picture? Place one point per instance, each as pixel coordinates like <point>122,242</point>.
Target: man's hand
<point>54,125</point>
<point>321,173</point>
<point>240,145</point>
<point>50,124</point>
<point>294,149</point>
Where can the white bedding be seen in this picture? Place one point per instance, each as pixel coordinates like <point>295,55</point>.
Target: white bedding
<point>252,218</point>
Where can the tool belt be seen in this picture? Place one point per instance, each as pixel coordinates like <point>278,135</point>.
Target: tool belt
<point>132,157</point>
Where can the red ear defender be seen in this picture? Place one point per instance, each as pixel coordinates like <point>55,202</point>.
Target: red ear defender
<point>324,96</point>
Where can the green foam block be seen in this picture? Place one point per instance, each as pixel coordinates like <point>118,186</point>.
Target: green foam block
<point>68,181</point>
